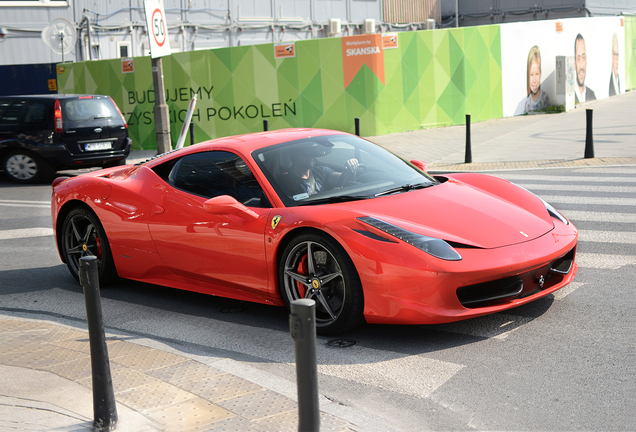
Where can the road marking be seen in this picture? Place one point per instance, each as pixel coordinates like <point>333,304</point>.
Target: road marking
<point>604,261</point>
<point>570,179</point>
<point>25,233</point>
<point>497,326</point>
<point>576,215</point>
<point>24,203</point>
<point>580,188</point>
<point>414,375</point>
<point>607,236</point>
<point>560,294</point>
<point>589,200</point>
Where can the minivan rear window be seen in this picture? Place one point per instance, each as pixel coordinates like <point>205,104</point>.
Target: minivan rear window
<point>88,110</point>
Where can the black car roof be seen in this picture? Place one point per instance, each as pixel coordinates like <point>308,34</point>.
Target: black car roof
<point>51,96</point>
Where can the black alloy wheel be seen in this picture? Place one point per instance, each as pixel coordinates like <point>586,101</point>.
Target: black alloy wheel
<point>83,235</point>
<point>316,267</point>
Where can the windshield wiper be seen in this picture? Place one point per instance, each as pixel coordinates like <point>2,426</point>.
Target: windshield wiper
<point>405,188</point>
<point>102,117</point>
<point>336,199</point>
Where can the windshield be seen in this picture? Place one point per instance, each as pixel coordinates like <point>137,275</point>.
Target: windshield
<point>336,168</point>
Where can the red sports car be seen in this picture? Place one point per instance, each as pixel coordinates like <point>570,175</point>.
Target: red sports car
<point>305,213</point>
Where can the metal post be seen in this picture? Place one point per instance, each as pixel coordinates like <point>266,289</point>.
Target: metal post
<point>191,133</point>
<point>302,324</point>
<point>265,125</point>
<point>357,123</point>
<point>469,153</point>
<point>104,405</point>
<point>162,114</point>
<point>589,139</point>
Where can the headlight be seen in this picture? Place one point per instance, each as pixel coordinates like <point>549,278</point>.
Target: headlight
<point>431,245</point>
<point>554,213</point>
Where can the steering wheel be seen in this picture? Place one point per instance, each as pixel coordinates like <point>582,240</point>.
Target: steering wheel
<point>347,175</point>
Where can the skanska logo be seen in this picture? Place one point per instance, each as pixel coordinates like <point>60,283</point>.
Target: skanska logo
<point>363,51</point>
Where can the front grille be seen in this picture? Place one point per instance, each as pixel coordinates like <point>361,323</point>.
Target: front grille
<point>489,291</point>
<point>500,291</point>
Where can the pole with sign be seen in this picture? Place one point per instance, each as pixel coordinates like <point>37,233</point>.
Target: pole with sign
<point>159,47</point>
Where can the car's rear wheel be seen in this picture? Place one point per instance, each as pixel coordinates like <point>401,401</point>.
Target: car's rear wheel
<point>83,235</point>
<point>316,267</point>
<point>23,167</point>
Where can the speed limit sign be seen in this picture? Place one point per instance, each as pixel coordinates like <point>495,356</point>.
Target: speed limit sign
<point>157,28</point>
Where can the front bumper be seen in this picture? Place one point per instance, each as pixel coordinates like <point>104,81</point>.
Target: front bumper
<point>402,286</point>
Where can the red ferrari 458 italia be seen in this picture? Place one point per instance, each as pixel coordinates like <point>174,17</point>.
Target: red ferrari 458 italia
<point>306,213</point>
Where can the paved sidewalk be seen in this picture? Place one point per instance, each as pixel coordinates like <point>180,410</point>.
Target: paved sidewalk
<point>527,142</point>
<point>46,386</point>
<point>45,365</point>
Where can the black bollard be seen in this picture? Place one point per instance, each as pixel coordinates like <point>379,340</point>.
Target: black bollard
<point>357,123</point>
<point>302,325</point>
<point>104,405</point>
<point>191,133</point>
<point>468,158</point>
<point>265,125</point>
<point>589,139</point>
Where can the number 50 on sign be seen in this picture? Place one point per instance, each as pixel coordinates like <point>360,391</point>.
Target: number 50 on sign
<point>157,28</point>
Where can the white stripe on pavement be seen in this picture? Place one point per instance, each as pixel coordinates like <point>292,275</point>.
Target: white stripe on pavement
<point>566,290</point>
<point>580,188</point>
<point>25,233</point>
<point>612,170</point>
<point>497,326</point>
<point>586,216</point>
<point>589,200</point>
<point>570,179</point>
<point>25,203</point>
<point>607,236</point>
<point>413,375</point>
<point>604,261</point>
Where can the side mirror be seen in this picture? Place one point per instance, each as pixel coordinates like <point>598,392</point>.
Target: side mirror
<point>421,165</point>
<point>225,204</point>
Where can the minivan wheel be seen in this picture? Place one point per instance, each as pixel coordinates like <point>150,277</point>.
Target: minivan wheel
<point>22,167</point>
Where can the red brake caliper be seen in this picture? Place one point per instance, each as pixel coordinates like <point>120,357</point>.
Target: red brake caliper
<point>99,247</point>
<point>302,270</point>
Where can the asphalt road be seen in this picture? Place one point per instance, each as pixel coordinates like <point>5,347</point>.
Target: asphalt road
<point>565,362</point>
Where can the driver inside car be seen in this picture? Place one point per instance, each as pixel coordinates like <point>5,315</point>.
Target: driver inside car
<point>306,176</point>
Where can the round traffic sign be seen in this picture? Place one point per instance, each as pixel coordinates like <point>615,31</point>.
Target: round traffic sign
<point>159,30</point>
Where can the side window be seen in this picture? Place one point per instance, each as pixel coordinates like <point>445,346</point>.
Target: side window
<point>11,112</point>
<point>216,173</point>
<point>35,114</point>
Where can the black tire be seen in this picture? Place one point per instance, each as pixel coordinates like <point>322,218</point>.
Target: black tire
<point>329,278</point>
<point>82,235</point>
<point>24,167</point>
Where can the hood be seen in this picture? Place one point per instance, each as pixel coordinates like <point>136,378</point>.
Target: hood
<point>459,212</point>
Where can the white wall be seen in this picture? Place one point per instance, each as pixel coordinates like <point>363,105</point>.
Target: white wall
<point>518,38</point>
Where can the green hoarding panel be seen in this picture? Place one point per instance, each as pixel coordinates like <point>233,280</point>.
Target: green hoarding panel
<point>429,79</point>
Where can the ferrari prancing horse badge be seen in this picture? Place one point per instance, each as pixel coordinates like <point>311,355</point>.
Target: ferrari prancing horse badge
<point>275,221</point>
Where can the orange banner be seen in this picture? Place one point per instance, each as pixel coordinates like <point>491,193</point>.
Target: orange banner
<point>389,40</point>
<point>284,50</point>
<point>127,65</point>
<point>361,50</point>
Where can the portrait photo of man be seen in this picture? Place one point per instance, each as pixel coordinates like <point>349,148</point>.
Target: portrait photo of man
<point>582,92</point>
<point>614,85</point>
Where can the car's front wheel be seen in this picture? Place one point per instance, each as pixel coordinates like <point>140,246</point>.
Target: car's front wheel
<point>22,167</point>
<point>316,267</point>
<point>83,235</point>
